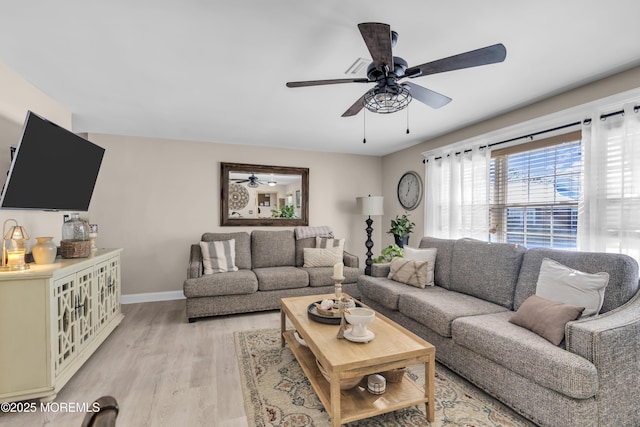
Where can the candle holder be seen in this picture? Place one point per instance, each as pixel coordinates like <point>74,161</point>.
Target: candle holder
<point>13,254</point>
<point>93,234</point>
<point>337,282</point>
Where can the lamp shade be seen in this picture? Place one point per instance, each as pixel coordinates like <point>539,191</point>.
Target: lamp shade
<point>371,205</point>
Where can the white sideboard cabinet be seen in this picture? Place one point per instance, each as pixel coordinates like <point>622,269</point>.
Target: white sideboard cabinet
<point>52,318</point>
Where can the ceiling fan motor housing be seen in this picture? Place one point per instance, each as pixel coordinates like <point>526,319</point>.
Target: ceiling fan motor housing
<point>399,66</point>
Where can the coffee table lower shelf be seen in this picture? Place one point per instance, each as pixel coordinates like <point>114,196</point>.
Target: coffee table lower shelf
<point>357,403</point>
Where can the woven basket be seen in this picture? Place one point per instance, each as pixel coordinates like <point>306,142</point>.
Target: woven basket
<point>75,248</point>
<point>394,375</point>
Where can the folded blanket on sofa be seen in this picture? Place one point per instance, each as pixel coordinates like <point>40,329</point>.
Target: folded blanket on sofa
<point>305,232</point>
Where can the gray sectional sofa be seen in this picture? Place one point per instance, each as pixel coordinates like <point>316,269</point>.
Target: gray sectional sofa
<point>270,267</point>
<point>591,379</point>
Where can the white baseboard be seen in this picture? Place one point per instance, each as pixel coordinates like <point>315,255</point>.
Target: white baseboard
<point>151,296</point>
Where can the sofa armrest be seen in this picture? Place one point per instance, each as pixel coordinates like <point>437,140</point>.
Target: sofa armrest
<point>350,260</point>
<point>380,269</point>
<point>195,262</point>
<point>610,342</point>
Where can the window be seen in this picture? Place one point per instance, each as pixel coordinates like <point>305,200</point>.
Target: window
<point>534,192</point>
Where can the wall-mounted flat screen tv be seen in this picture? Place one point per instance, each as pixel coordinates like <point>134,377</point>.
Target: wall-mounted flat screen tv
<point>52,169</point>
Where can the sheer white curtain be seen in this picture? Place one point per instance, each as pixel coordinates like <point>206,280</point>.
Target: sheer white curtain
<point>609,210</point>
<point>457,196</point>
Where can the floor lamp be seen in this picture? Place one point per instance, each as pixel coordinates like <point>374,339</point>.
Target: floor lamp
<point>371,206</point>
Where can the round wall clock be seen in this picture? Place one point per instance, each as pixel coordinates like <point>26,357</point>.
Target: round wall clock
<point>238,196</point>
<point>410,190</point>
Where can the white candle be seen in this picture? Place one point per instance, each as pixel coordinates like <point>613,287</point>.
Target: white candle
<point>337,270</point>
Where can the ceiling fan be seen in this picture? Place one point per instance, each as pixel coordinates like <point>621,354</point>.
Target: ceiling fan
<point>390,95</point>
<point>254,181</point>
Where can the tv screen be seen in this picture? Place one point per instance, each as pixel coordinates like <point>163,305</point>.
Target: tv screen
<point>52,169</point>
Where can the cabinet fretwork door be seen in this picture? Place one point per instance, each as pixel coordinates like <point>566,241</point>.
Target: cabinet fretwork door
<point>102,294</point>
<point>84,305</point>
<point>64,293</point>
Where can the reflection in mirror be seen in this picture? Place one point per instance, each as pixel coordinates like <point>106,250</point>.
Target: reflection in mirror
<point>263,195</point>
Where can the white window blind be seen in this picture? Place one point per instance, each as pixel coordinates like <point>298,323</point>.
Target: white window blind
<point>534,192</point>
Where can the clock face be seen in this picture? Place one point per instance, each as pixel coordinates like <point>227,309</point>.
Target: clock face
<point>410,190</point>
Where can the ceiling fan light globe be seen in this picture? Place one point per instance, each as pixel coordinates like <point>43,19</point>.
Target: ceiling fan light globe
<point>387,99</point>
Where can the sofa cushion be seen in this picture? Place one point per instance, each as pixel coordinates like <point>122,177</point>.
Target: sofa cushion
<point>230,283</point>
<point>321,276</point>
<point>243,246</point>
<point>322,257</point>
<point>442,269</point>
<point>622,269</point>
<point>527,354</point>
<point>385,292</point>
<point>437,308</point>
<point>410,272</point>
<point>219,256</point>
<point>546,318</point>
<point>557,282</point>
<point>272,248</point>
<point>274,278</point>
<point>486,270</point>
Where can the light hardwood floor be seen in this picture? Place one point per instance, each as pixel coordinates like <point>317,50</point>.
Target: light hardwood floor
<point>162,370</point>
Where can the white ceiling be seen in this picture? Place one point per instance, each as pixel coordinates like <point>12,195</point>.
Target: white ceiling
<point>216,70</point>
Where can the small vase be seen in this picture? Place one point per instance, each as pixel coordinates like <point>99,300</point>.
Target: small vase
<point>44,252</point>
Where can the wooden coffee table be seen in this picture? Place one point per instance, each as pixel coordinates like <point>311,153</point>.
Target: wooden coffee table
<point>392,347</point>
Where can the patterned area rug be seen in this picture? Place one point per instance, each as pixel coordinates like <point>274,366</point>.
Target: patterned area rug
<point>277,393</point>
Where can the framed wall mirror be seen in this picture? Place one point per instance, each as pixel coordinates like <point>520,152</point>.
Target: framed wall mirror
<point>261,195</point>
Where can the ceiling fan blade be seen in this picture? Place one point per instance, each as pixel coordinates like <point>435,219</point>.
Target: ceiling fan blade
<point>326,82</point>
<point>474,58</point>
<point>355,108</point>
<point>378,40</point>
<point>427,96</point>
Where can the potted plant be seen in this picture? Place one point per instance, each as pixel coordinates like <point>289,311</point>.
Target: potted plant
<point>401,228</point>
<point>285,211</point>
<point>389,253</point>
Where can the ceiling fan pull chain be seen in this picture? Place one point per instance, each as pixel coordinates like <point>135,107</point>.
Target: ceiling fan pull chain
<point>407,120</point>
<point>364,127</point>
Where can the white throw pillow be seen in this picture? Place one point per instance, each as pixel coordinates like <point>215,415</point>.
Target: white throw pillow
<point>557,282</point>
<point>322,257</point>
<point>219,257</point>
<point>423,254</point>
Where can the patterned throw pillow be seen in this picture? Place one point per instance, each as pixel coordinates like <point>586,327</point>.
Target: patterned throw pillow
<point>409,271</point>
<point>422,254</point>
<point>323,242</point>
<point>219,256</point>
<point>322,257</point>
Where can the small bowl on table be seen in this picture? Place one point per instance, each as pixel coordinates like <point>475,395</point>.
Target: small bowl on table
<point>359,317</point>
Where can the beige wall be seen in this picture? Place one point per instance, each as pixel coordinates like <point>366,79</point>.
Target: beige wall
<point>156,197</point>
<point>395,164</point>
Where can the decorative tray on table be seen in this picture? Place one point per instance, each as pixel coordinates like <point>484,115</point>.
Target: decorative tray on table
<point>331,317</point>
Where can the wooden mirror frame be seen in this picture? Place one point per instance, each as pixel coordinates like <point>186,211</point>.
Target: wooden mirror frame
<point>225,171</point>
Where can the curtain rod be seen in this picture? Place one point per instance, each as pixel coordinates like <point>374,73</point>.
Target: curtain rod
<point>531,135</point>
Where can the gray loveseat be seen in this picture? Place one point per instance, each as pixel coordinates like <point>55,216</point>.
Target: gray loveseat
<point>590,379</point>
<point>270,267</point>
